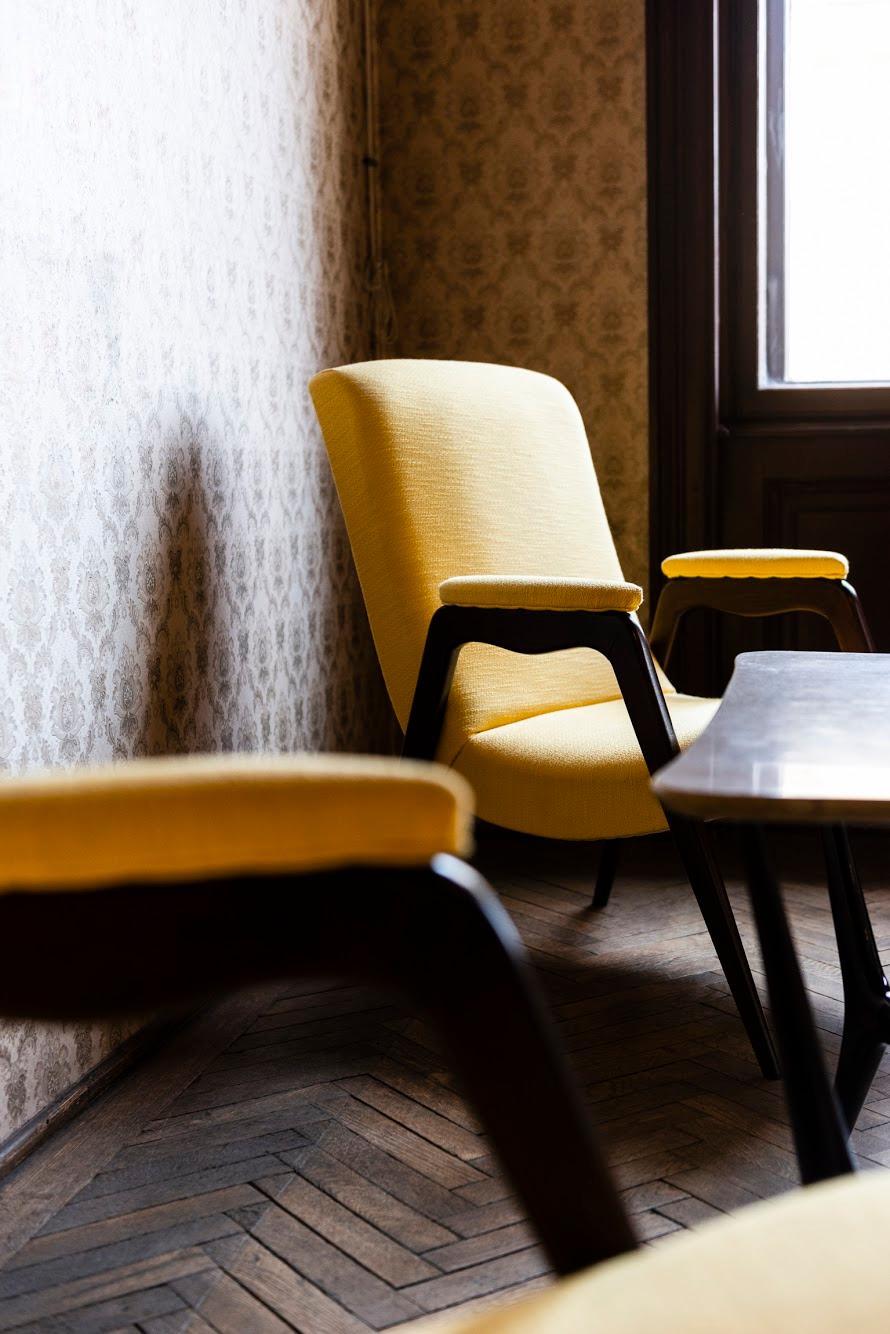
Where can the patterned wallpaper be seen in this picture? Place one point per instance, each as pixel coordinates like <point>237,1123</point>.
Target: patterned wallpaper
<point>514,207</point>
<point>182,241</point>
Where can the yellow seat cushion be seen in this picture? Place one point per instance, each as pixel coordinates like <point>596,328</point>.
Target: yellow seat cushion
<point>769,563</point>
<point>197,817</point>
<point>538,593</point>
<point>573,773</point>
<point>812,1262</point>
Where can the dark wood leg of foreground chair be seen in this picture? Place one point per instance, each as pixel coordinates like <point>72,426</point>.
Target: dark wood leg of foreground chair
<point>514,1059</point>
<point>819,1132</point>
<point>866,990</point>
<point>620,638</point>
<point>436,933</point>
<point>605,872</point>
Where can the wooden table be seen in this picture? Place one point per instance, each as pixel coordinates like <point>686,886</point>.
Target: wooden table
<point>804,738</point>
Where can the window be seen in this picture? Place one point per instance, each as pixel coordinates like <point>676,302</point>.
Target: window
<point>769,263</point>
<point>824,192</point>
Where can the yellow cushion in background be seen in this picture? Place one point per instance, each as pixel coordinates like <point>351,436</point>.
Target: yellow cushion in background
<point>202,816</point>
<point>813,1262</point>
<point>539,593</point>
<point>573,773</point>
<point>769,563</point>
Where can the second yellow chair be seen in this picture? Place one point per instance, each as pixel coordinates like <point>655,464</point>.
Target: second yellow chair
<point>478,530</point>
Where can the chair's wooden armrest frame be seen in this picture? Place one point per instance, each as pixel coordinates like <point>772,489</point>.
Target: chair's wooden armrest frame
<point>620,638</point>
<point>834,599</point>
<point>616,634</point>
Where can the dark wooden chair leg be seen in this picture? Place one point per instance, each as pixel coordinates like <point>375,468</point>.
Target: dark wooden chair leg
<point>436,933</point>
<point>460,956</point>
<point>843,610</point>
<point>632,660</point>
<point>620,638</point>
<point>694,847</point>
<point>866,990</point>
<point>819,1131</point>
<point>605,872</point>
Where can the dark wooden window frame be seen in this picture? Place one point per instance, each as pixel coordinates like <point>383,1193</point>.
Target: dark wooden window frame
<point>706,405</point>
<point>742,397</point>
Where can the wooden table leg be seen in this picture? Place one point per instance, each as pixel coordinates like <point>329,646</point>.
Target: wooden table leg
<point>866,990</point>
<point>819,1133</point>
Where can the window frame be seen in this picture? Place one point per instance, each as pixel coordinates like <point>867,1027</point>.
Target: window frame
<point>743,398</point>
<point>723,471</point>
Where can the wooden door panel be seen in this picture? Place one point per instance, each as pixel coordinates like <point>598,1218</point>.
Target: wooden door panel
<point>831,493</point>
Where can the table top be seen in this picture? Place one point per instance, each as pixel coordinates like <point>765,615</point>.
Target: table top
<point>798,737</point>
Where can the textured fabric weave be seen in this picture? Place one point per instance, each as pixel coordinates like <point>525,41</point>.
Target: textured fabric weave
<point>813,1262</point>
<point>445,468</point>
<point>756,563</point>
<point>573,773</point>
<point>203,816</point>
<point>449,468</point>
<point>493,590</point>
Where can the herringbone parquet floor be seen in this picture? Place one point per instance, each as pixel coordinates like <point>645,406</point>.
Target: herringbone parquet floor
<point>301,1160</point>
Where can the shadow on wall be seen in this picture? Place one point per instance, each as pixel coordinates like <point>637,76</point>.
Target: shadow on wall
<point>244,638</point>
<point>185,654</point>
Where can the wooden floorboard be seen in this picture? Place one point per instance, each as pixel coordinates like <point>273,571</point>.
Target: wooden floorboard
<point>300,1158</point>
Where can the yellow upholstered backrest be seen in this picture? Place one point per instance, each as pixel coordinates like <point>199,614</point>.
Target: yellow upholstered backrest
<point>455,468</point>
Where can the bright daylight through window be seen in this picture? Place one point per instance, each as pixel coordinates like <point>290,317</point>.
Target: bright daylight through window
<point>825,227</point>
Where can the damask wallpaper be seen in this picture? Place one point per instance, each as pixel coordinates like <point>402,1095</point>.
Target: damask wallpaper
<point>182,243</point>
<point>514,207</point>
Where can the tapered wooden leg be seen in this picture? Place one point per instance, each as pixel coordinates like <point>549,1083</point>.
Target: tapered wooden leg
<point>819,1133</point>
<point>605,872</point>
<point>710,892</point>
<point>469,972</point>
<point>437,933</point>
<point>866,990</point>
<point>857,1065</point>
<point>635,669</point>
<point>844,611</point>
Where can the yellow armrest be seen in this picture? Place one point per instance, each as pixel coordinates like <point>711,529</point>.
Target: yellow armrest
<point>212,816</point>
<point>754,563</point>
<point>532,592</point>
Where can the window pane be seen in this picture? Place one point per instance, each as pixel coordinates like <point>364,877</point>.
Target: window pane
<point>836,244</point>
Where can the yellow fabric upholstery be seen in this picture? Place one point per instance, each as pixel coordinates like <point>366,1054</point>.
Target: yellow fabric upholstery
<point>573,773</point>
<point>812,1262</point>
<point>447,467</point>
<point>494,590</point>
<point>769,563</point>
<point>203,816</point>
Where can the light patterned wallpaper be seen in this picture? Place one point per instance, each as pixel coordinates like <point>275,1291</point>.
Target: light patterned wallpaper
<point>182,241</point>
<point>514,207</point>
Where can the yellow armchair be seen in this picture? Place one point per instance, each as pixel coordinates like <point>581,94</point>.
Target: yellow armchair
<point>504,626</point>
<point>525,678</point>
<point>130,886</point>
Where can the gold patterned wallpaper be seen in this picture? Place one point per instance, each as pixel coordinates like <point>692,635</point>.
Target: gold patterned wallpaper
<point>514,207</point>
<point>182,242</point>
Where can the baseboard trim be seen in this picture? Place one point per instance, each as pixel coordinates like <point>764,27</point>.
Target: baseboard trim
<point>22,1142</point>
